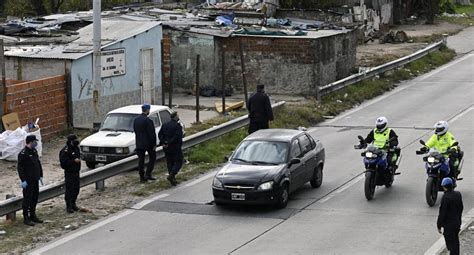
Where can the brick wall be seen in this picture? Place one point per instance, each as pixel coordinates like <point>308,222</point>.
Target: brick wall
<point>45,99</point>
<point>288,65</point>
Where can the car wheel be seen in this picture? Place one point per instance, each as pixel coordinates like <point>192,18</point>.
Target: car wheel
<point>218,203</point>
<point>283,196</point>
<point>317,177</point>
<point>90,164</point>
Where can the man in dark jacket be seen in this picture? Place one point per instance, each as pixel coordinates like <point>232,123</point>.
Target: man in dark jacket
<point>70,159</point>
<point>31,173</point>
<point>145,139</point>
<point>449,219</point>
<point>260,110</point>
<point>171,137</point>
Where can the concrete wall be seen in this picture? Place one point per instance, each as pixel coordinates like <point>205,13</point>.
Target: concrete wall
<point>288,65</point>
<point>184,47</point>
<point>34,69</point>
<point>114,91</point>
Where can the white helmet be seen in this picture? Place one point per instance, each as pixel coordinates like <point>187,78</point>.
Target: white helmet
<point>441,127</point>
<point>381,124</point>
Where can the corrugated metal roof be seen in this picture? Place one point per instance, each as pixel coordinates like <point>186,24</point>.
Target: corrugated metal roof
<point>113,31</point>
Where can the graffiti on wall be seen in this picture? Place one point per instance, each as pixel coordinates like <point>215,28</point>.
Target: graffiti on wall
<point>86,88</point>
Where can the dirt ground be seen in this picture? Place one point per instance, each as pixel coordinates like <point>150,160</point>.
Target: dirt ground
<point>374,54</point>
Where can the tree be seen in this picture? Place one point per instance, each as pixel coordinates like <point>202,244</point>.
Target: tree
<point>38,7</point>
<point>55,5</point>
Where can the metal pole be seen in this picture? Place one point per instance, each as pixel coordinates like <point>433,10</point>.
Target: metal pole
<point>198,90</point>
<point>4,79</point>
<point>242,64</point>
<point>100,185</point>
<point>223,79</point>
<point>170,99</point>
<point>163,95</point>
<point>96,60</point>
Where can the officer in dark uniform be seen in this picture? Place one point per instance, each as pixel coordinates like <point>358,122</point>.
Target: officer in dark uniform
<point>31,173</point>
<point>70,159</point>
<point>449,218</point>
<point>145,139</point>
<point>171,138</point>
<point>260,110</point>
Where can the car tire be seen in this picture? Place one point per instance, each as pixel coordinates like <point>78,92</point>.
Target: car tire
<point>218,203</point>
<point>283,196</point>
<point>90,164</point>
<point>317,177</point>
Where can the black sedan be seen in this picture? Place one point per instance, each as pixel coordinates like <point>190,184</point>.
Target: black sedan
<point>267,166</point>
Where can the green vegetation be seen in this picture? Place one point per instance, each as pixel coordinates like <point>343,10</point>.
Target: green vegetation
<point>467,9</point>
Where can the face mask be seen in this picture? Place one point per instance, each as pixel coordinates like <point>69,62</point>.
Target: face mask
<point>34,145</point>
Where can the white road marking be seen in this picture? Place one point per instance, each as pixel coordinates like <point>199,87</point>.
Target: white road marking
<point>81,232</point>
<point>399,89</point>
<point>439,245</point>
<point>340,189</point>
<point>462,114</point>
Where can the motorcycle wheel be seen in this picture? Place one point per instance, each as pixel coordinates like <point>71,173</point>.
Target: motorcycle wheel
<point>369,186</point>
<point>389,183</point>
<point>431,191</point>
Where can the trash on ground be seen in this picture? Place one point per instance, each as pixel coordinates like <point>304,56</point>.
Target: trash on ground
<point>229,106</point>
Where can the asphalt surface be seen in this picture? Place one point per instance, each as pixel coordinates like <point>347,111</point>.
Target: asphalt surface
<point>334,219</point>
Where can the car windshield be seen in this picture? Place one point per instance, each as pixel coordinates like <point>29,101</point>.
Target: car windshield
<point>119,122</point>
<point>261,152</point>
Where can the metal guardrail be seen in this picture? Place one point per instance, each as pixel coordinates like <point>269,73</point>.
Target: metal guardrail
<point>337,85</point>
<point>102,173</point>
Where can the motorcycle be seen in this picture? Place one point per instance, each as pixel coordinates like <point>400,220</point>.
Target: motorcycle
<point>433,164</point>
<point>377,170</point>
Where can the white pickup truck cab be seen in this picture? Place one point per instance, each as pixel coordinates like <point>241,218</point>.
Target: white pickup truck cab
<point>116,139</point>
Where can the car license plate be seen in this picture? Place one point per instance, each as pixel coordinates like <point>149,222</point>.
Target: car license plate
<point>238,196</point>
<point>100,158</point>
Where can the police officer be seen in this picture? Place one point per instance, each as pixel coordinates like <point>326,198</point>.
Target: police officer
<point>384,138</point>
<point>260,110</point>
<point>171,138</point>
<point>70,159</point>
<point>145,139</point>
<point>442,140</point>
<point>449,218</point>
<point>31,173</point>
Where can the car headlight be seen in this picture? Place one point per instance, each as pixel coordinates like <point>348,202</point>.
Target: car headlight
<point>266,186</point>
<point>369,154</point>
<point>122,150</point>
<point>217,184</point>
<point>85,148</point>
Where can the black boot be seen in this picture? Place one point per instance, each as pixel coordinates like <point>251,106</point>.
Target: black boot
<point>75,208</point>
<point>27,221</point>
<point>35,218</point>
<point>171,179</point>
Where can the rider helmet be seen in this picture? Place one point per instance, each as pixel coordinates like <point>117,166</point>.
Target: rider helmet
<point>441,127</point>
<point>381,124</point>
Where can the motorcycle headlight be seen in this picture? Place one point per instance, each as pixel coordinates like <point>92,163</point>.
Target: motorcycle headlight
<point>266,186</point>
<point>85,148</point>
<point>431,159</point>
<point>369,154</point>
<point>217,184</point>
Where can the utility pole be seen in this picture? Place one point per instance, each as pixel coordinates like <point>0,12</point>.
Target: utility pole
<point>97,79</point>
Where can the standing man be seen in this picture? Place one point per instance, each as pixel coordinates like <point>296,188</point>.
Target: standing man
<point>449,219</point>
<point>31,173</point>
<point>171,137</point>
<point>145,139</point>
<point>70,159</point>
<point>260,110</point>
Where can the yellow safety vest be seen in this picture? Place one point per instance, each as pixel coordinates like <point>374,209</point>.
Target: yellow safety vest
<point>441,143</point>
<point>381,138</point>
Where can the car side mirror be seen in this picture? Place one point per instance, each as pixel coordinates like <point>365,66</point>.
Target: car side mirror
<point>422,142</point>
<point>294,161</point>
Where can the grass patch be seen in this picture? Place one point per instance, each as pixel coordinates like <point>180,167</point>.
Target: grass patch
<point>467,9</point>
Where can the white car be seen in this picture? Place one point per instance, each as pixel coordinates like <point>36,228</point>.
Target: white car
<point>116,139</point>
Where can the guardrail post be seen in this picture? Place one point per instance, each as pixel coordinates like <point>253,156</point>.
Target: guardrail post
<point>445,39</point>
<point>100,185</point>
<point>11,217</point>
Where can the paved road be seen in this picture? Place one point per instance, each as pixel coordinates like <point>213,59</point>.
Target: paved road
<point>334,219</point>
